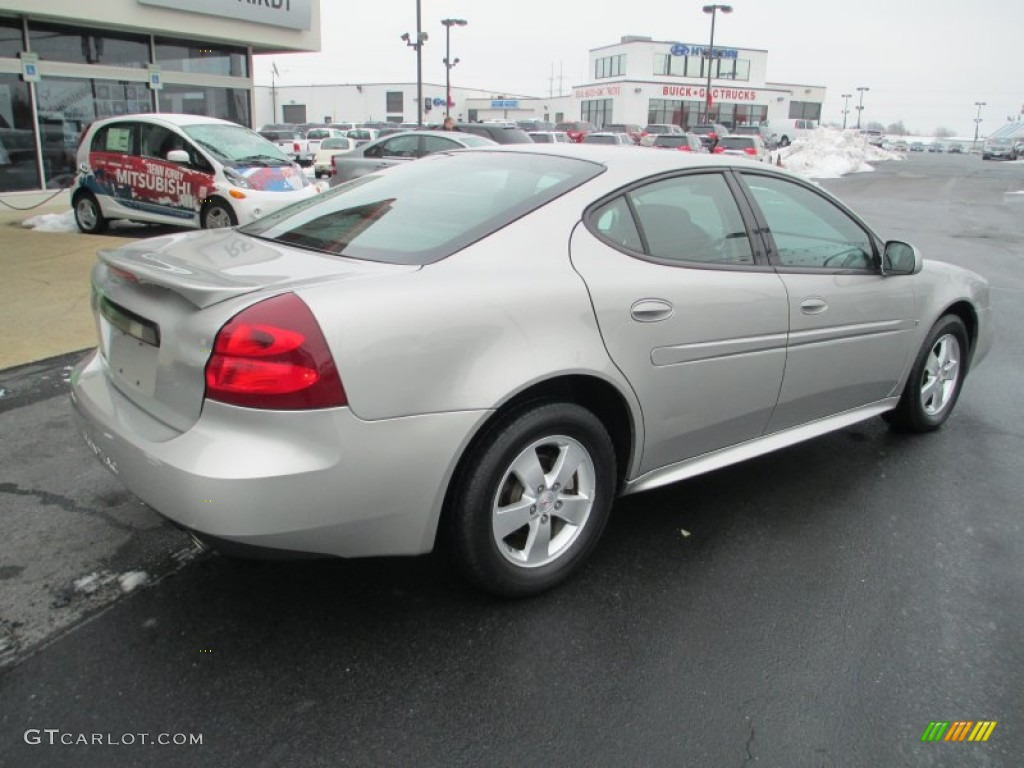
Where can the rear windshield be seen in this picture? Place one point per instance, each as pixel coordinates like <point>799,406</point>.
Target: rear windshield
<point>334,144</point>
<point>736,142</point>
<point>542,138</point>
<point>421,212</point>
<point>595,138</point>
<point>667,140</point>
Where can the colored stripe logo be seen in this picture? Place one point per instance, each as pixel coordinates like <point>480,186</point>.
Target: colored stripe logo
<point>958,730</point>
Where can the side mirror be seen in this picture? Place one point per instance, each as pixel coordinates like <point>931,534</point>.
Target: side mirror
<point>900,258</point>
<point>178,156</point>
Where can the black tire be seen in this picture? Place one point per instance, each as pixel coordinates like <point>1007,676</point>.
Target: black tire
<point>920,412</point>
<point>544,432</point>
<point>88,216</point>
<point>216,214</point>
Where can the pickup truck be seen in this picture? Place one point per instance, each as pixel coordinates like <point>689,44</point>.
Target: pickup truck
<point>292,143</point>
<point>315,135</point>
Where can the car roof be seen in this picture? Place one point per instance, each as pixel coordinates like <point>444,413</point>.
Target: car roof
<point>171,118</point>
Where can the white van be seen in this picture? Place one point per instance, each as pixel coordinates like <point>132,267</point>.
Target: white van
<point>188,170</point>
<point>791,130</point>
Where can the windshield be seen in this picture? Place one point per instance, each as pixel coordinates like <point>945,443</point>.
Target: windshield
<point>234,145</point>
<point>420,212</point>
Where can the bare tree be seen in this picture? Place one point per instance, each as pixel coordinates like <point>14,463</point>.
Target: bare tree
<point>897,129</point>
<point>943,133</point>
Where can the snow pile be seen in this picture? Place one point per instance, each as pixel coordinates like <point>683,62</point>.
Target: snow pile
<point>829,153</point>
<point>132,579</point>
<point>52,222</point>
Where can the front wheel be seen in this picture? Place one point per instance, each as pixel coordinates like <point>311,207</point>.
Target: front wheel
<point>533,500</point>
<point>88,215</point>
<point>217,214</point>
<point>935,380</point>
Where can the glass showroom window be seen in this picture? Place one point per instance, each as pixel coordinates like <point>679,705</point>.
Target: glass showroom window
<point>10,38</point>
<point>202,58</point>
<point>18,167</point>
<point>88,46</point>
<point>598,111</point>
<point>226,103</point>
<point>66,107</point>
<point>805,110</point>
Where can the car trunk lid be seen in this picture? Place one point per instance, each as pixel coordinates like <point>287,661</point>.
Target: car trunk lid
<point>159,303</point>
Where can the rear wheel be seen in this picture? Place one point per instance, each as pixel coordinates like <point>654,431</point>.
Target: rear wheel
<point>217,214</point>
<point>534,499</point>
<point>88,216</point>
<point>935,380</point>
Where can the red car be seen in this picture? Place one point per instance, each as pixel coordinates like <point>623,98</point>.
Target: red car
<point>576,129</point>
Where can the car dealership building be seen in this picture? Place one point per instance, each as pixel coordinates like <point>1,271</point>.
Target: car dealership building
<point>60,70</point>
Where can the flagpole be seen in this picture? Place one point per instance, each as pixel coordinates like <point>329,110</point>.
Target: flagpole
<point>273,91</point>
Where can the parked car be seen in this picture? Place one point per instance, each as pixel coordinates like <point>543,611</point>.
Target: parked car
<point>577,129</point>
<point>873,137</point>
<point>363,135</point>
<point>999,148</point>
<point>487,347</point>
<point>956,149</point>
<point>743,146</point>
<point>900,146</point>
<point>710,133</point>
<point>917,146</point>
<point>935,147</point>
<point>657,129</point>
<point>315,135</point>
<point>608,137</point>
<point>534,126</point>
<point>635,132</point>
<point>763,131</point>
<point>291,142</point>
<point>399,148</point>
<point>328,149</point>
<point>684,142</point>
<point>499,133</point>
<point>187,170</point>
<point>550,137</point>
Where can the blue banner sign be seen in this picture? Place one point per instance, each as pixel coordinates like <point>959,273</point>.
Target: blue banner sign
<point>505,104</point>
<point>679,49</point>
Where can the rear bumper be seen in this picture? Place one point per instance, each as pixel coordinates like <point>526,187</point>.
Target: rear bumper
<point>320,482</point>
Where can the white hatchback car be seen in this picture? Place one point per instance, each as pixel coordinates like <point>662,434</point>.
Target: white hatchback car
<point>188,170</point>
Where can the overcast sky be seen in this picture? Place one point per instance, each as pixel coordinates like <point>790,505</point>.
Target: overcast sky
<point>925,63</point>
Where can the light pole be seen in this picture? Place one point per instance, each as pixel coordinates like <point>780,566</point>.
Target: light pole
<point>448,62</point>
<point>977,122</point>
<point>860,107</point>
<point>712,9</point>
<point>846,107</point>
<point>421,38</point>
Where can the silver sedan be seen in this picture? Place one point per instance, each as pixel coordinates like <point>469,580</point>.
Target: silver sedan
<point>489,346</point>
<point>400,148</point>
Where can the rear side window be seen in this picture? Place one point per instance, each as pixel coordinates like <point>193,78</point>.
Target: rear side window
<point>421,212</point>
<point>114,138</point>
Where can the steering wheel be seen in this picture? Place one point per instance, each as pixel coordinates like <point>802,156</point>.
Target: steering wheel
<point>852,258</point>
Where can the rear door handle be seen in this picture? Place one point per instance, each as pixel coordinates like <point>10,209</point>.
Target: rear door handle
<point>651,310</point>
<point>813,306</point>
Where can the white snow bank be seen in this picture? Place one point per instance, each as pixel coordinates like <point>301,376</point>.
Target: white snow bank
<point>52,222</point>
<point>132,579</point>
<point>829,153</point>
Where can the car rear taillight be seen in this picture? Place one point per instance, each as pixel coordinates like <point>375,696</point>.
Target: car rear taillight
<point>685,148</point>
<point>334,166</point>
<point>713,136</point>
<point>719,150</point>
<point>296,147</point>
<point>750,150</point>
<point>273,355</point>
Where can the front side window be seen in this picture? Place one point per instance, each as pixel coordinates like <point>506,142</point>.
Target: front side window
<point>810,231</point>
<point>432,144</point>
<point>400,146</point>
<point>692,218</point>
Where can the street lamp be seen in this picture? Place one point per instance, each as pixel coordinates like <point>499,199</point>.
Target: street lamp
<point>846,107</point>
<point>860,107</point>
<point>712,9</point>
<point>421,38</point>
<point>977,122</point>
<point>448,62</point>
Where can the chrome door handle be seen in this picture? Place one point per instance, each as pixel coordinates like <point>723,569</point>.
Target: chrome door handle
<point>651,310</point>
<point>813,306</point>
